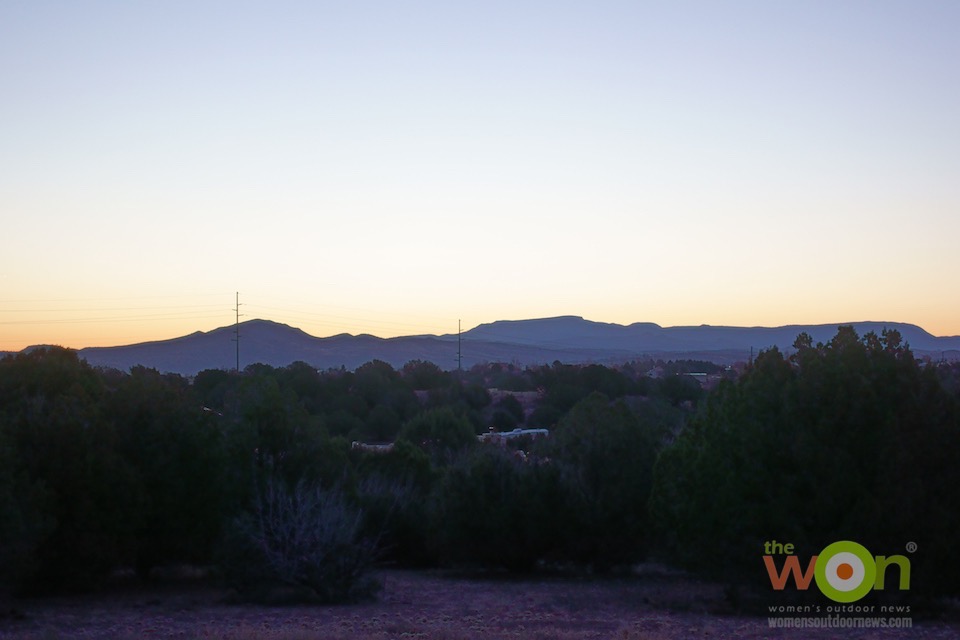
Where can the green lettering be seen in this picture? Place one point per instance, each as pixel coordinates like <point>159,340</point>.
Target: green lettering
<point>901,561</point>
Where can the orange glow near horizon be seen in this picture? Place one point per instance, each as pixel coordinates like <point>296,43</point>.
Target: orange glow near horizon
<point>81,333</point>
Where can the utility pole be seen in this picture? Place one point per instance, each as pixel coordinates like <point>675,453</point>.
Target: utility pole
<point>236,331</point>
<point>459,353</point>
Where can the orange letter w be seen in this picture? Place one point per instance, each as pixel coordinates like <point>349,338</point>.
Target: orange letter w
<point>790,565</point>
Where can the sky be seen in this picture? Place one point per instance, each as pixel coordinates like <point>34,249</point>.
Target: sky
<point>396,167</point>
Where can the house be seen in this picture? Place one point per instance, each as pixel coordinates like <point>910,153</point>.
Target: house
<point>501,437</point>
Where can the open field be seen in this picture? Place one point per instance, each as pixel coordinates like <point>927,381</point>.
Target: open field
<point>657,605</point>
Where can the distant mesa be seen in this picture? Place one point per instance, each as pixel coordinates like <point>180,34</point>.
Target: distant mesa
<point>568,339</point>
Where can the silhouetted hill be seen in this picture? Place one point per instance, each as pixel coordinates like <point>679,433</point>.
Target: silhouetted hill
<point>568,339</point>
<point>648,337</point>
<point>278,344</point>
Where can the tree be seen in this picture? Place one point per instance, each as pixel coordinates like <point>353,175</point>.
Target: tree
<point>176,451</point>
<point>496,510</point>
<point>212,386</point>
<point>607,456</point>
<point>680,388</point>
<point>383,424</point>
<point>25,518</point>
<point>421,374</point>
<point>848,440</point>
<point>545,417</point>
<point>512,407</point>
<point>86,493</point>
<point>304,381</point>
<point>438,430</point>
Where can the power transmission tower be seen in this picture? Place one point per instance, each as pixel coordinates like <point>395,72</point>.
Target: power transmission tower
<point>236,330</point>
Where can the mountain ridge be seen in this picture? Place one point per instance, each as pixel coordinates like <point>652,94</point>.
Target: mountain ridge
<point>568,339</point>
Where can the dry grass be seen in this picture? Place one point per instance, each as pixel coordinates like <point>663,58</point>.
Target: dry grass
<point>431,606</point>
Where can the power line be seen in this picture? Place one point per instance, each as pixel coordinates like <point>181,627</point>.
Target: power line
<point>97,309</point>
<point>112,319</point>
<point>86,299</point>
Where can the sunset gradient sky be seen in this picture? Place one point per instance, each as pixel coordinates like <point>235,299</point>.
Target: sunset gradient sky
<point>392,167</point>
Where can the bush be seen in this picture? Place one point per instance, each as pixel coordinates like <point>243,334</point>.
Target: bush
<point>496,510</point>
<point>305,543</point>
<point>25,521</point>
<point>439,430</point>
<point>73,503</point>
<point>606,454</point>
<point>178,459</point>
<point>394,490</point>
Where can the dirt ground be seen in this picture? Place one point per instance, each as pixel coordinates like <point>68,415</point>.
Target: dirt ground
<point>657,605</point>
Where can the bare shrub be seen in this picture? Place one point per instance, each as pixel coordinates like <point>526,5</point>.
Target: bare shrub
<point>304,543</point>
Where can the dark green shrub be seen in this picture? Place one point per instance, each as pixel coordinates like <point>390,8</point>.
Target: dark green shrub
<point>439,430</point>
<point>606,456</point>
<point>176,450</point>
<point>80,503</point>
<point>851,440</point>
<point>495,509</point>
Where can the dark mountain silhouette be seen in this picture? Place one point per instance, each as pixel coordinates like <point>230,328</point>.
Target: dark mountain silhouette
<point>649,337</point>
<point>569,339</point>
<point>278,344</point>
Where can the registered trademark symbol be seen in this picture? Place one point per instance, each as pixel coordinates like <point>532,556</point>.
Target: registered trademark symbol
<point>911,547</point>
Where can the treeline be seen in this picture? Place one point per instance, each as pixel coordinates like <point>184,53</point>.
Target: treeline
<point>849,440</point>
<point>255,473</point>
<point>101,469</point>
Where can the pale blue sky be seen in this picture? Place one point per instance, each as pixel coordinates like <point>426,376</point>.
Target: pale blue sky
<point>390,167</point>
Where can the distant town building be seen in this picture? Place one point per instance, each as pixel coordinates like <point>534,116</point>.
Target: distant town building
<point>501,437</point>
<point>372,448</point>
